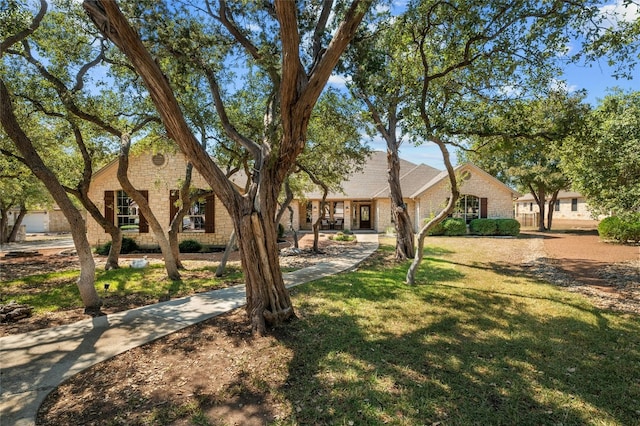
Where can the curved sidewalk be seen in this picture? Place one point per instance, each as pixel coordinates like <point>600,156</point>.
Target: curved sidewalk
<point>34,363</point>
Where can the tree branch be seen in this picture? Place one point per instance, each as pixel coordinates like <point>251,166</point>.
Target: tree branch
<point>11,40</point>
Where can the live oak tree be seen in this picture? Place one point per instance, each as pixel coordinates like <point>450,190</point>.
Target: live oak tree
<point>469,59</point>
<point>334,151</point>
<point>295,89</point>
<point>525,152</point>
<point>375,63</point>
<point>603,160</point>
<point>59,81</point>
<point>12,120</point>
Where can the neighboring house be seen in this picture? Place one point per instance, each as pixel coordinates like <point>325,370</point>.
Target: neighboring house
<point>364,203</point>
<point>569,206</point>
<point>49,220</point>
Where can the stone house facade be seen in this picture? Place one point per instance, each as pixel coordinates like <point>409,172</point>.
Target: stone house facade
<point>158,177</point>
<point>362,204</point>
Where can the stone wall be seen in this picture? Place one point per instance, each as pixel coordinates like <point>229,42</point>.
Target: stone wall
<point>499,198</point>
<point>157,176</point>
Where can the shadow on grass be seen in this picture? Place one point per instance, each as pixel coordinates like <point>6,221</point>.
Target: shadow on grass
<point>387,353</point>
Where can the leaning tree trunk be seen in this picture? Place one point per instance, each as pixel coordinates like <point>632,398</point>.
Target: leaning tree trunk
<point>222,266</point>
<point>123,165</point>
<point>424,231</point>
<point>86,282</point>
<point>405,241</point>
<point>16,224</point>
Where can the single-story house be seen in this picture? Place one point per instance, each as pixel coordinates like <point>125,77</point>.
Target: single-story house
<point>364,203</point>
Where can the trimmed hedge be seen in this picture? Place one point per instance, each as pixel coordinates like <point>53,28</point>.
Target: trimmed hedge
<point>452,227</point>
<point>503,227</point>
<point>620,230</point>
<point>508,227</point>
<point>129,245</point>
<point>189,246</point>
<point>483,227</point>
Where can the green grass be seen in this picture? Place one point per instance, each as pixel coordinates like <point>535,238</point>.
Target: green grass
<point>57,291</point>
<point>468,345</point>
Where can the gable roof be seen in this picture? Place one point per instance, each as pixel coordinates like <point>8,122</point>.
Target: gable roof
<point>445,176</point>
<point>372,182</point>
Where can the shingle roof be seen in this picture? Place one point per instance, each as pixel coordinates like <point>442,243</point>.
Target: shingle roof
<point>561,195</point>
<point>372,181</point>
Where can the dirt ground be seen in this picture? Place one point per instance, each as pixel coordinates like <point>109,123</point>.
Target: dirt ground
<point>165,377</point>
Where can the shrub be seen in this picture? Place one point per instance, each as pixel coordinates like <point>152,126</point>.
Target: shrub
<point>455,227</point>
<point>621,230</point>
<point>189,246</point>
<point>129,245</point>
<point>436,230</point>
<point>341,236</point>
<point>450,227</point>
<point>508,227</point>
<point>483,227</point>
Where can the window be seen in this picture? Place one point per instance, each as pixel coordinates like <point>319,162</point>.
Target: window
<point>194,219</point>
<point>338,210</point>
<point>127,214</point>
<point>467,208</point>
<point>574,204</point>
<point>309,213</point>
<point>123,212</point>
<point>199,218</point>
<point>556,207</point>
<point>530,207</point>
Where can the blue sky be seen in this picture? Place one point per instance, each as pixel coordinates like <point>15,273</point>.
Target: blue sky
<point>595,77</point>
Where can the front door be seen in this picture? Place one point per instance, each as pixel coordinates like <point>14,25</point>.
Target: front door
<point>365,216</point>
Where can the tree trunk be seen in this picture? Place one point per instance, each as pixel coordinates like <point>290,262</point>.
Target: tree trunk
<point>316,224</point>
<point>552,205</point>
<point>292,229</point>
<point>86,282</point>
<point>268,300</point>
<point>455,193</point>
<point>169,260</point>
<point>225,256</point>
<point>405,240</point>
<point>4,225</point>
<point>540,197</point>
<point>16,224</point>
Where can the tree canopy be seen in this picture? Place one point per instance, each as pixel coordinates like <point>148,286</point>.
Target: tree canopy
<point>603,160</point>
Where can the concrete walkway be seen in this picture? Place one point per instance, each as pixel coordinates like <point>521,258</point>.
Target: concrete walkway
<point>35,363</point>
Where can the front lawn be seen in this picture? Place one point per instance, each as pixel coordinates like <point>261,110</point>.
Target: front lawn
<point>479,341</point>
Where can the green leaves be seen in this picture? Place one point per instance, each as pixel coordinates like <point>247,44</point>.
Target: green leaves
<point>604,160</point>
